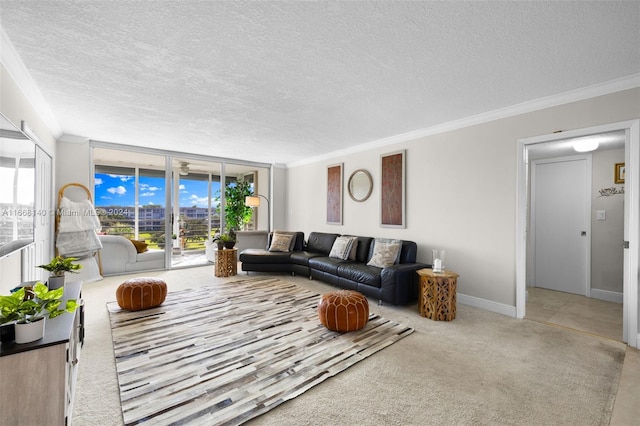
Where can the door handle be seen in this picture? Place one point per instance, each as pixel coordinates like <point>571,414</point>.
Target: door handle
<point>583,233</point>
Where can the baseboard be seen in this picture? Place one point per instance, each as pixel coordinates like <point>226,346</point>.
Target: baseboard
<point>609,296</point>
<point>487,305</point>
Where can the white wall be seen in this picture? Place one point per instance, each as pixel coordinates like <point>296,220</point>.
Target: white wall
<point>607,236</point>
<point>461,188</point>
<point>278,198</point>
<point>73,164</point>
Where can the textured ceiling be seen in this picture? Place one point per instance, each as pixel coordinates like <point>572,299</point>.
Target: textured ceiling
<point>281,82</point>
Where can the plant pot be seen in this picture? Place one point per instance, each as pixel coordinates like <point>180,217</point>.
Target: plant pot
<point>55,282</point>
<point>30,331</point>
<point>229,244</point>
<point>220,245</point>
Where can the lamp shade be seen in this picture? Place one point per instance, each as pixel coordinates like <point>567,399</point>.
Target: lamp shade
<point>252,201</point>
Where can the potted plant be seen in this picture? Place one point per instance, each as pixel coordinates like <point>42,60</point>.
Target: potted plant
<point>237,214</point>
<point>28,307</point>
<point>57,267</point>
<point>225,240</point>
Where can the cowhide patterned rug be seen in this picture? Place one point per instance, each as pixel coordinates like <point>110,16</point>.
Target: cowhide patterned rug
<point>226,353</point>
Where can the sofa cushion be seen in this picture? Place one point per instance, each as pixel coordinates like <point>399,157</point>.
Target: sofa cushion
<point>360,273</point>
<point>281,242</point>
<point>363,249</point>
<point>385,252</point>
<point>326,264</point>
<point>321,242</point>
<point>259,256</point>
<point>342,247</point>
<point>302,257</point>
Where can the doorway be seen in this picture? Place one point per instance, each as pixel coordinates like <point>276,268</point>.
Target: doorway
<point>631,132</point>
<point>560,224</point>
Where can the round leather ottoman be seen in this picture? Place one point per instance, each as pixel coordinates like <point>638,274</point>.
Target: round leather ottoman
<point>141,293</point>
<point>343,310</point>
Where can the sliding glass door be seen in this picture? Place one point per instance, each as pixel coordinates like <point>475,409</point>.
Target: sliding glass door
<point>196,209</point>
<point>172,202</point>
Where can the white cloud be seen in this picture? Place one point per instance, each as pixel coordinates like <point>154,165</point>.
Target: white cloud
<point>198,201</point>
<point>98,181</point>
<point>181,186</point>
<point>120,190</point>
<point>147,194</point>
<point>123,178</point>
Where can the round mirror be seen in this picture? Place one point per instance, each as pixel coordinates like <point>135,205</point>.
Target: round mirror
<point>360,185</point>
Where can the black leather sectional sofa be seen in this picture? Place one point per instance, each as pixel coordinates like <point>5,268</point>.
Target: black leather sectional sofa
<point>396,284</point>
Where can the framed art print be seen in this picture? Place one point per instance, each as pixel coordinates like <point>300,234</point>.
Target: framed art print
<point>392,190</point>
<point>619,173</point>
<point>334,194</point>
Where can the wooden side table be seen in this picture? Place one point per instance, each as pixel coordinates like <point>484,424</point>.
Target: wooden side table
<point>226,262</point>
<point>437,299</point>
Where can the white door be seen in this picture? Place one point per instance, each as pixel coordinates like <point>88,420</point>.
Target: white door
<point>560,224</point>
<point>44,226</point>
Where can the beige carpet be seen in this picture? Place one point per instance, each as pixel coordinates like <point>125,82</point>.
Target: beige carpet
<point>482,368</point>
<point>226,353</point>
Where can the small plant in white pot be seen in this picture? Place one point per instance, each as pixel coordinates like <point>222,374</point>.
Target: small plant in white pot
<point>57,268</point>
<point>29,308</point>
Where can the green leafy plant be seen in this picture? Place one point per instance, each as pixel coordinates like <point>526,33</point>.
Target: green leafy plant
<point>237,214</point>
<point>59,265</point>
<point>225,238</point>
<point>28,305</point>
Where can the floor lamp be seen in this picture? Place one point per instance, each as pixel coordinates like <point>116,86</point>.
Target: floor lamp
<point>255,202</point>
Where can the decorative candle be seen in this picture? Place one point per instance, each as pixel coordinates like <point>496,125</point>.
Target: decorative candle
<point>437,265</point>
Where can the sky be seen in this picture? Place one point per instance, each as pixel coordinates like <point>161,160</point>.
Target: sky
<point>119,190</point>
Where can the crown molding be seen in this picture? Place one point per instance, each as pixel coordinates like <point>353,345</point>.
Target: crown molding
<point>624,83</point>
<point>66,138</point>
<point>18,71</point>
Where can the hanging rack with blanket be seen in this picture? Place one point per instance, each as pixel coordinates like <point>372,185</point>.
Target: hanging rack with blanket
<point>77,227</point>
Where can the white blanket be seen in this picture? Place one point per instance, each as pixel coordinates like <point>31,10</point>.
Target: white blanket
<point>77,243</point>
<point>77,216</point>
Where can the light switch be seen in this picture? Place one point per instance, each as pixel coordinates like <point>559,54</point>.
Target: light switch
<point>601,215</point>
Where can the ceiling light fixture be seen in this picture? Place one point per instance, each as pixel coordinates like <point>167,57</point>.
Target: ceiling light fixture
<point>586,145</point>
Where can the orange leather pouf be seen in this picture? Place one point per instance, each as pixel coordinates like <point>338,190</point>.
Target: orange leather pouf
<point>141,293</point>
<point>343,310</point>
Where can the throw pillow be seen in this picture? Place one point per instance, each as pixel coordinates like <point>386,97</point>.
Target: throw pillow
<point>280,242</point>
<point>385,252</point>
<point>140,246</point>
<point>293,237</point>
<point>354,249</point>
<point>342,247</point>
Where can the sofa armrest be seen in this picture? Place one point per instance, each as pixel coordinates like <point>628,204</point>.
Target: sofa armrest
<point>399,283</point>
<point>118,246</point>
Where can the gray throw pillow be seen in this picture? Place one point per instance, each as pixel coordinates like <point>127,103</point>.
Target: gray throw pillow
<point>385,252</point>
<point>281,242</point>
<point>342,247</point>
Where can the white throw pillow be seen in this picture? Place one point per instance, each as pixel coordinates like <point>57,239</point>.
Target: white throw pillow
<point>280,242</point>
<point>342,247</point>
<point>385,252</point>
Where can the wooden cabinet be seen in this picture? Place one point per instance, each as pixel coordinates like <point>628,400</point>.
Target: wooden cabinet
<point>38,379</point>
